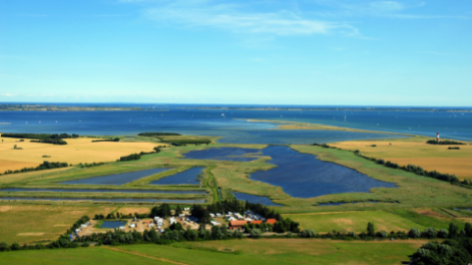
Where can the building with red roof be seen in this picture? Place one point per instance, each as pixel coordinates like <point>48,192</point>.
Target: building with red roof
<point>236,224</point>
<point>271,221</point>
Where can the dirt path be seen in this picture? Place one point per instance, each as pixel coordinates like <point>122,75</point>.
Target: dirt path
<point>143,255</point>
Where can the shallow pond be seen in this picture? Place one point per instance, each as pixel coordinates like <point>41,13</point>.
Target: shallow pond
<point>189,176</point>
<point>104,190</point>
<point>254,199</point>
<point>112,224</point>
<point>117,179</point>
<point>304,176</point>
<point>103,200</point>
<point>223,153</point>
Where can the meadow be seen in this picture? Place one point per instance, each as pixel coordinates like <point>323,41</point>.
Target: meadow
<point>246,251</point>
<point>353,221</point>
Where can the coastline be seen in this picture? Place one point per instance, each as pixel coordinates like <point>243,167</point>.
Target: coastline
<point>291,125</point>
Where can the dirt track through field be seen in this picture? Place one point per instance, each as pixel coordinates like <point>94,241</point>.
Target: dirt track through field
<point>144,255</point>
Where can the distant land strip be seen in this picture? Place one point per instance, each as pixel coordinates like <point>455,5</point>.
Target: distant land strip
<point>412,109</point>
<point>21,107</point>
<point>290,125</point>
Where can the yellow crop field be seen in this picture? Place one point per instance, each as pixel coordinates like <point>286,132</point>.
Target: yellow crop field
<point>415,151</point>
<point>80,150</point>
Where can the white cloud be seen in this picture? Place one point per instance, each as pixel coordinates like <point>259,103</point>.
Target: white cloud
<point>387,6</point>
<point>8,95</point>
<point>385,9</point>
<point>238,19</point>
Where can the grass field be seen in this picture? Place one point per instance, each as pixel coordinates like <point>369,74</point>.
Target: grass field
<point>258,252</point>
<point>33,223</point>
<point>415,151</point>
<point>283,251</point>
<point>80,150</point>
<point>353,221</point>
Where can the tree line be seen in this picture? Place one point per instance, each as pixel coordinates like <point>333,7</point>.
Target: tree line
<point>418,170</point>
<point>154,134</point>
<point>45,165</point>
<point>445,142</point>
<point>42,137</point>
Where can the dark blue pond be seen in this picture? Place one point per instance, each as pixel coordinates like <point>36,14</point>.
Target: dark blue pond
<point>304,176</point>
<point>102,200</point>
<point>117,179</point>
<point>186,177</point>
<point>103,190</point>
<point>223,153</point>
<point>112,224</point>
<point>254,199</point>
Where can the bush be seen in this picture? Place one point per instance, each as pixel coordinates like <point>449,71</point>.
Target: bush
<point>4,247</point>
<point>86,244</point>
<point>429,233</point>
<point>15,246</point>
<point>308,233</point>
<point>382,234</point>
<point>414,233</point>
<point>443,233</point>
<point>130,157</point>
<point>255,233</point>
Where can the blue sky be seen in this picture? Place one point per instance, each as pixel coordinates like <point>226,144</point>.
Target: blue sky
<point>308,52</point>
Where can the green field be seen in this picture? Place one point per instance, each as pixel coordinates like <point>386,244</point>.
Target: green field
<point>247,251</point>
<point>353,221</point>
<point>36,223</point>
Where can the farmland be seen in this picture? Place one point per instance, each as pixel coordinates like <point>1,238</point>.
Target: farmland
<point>81,150</point>
<point>415,151</point>
<point>262,251</point>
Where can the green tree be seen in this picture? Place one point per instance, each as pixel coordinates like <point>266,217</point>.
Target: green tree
<point>370,229</point>
<point>468,230</point>
<point>453,230</point>
<point>178,210</point>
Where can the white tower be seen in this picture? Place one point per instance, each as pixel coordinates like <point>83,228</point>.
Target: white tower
<point>437,136</point>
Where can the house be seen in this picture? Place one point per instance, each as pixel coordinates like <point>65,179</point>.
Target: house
<point>236,225</point>
<point>258,222</point>
<point>271,221</point>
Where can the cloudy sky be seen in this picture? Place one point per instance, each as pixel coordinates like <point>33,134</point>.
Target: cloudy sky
<point>309,52</point>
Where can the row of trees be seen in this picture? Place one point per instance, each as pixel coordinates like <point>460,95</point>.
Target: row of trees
<point>414,169</point>
<point>43,166</point>
<point>156,134</point>
<point>129,157</point>
<point>116,139</point>
<point>445,142</point>
<point>456,250</point>
<point>39,135</point>
<point>94,164</point>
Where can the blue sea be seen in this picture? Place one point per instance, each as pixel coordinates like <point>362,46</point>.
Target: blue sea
<point>233,126</point>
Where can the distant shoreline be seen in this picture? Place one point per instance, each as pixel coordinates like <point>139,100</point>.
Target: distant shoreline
<point>37,107</point>
<point>290,125</point>
<point>334,109</point>
<point>46,107</point>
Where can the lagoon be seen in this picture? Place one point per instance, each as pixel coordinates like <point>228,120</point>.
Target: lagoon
<point>189,176</point>
<point>117,179</point>
<point>102,200</point>
<point>224,153</point>
<point>105,191</point>
<point>255,199</point>
<point>304,176</point>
